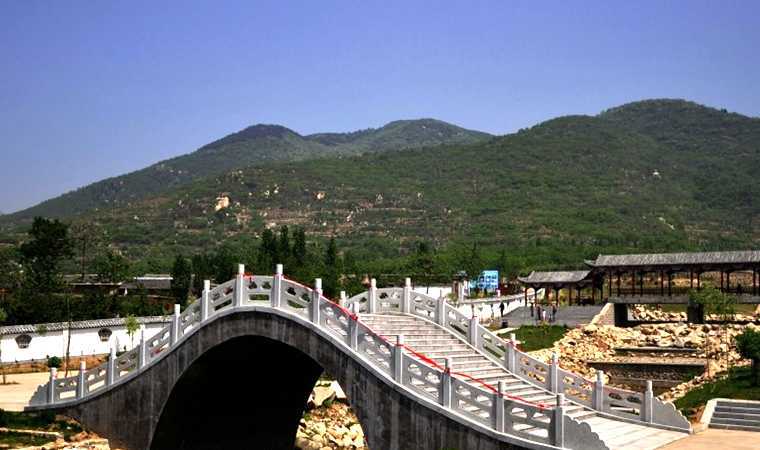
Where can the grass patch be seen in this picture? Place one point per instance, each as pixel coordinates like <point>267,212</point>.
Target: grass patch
<point>44,421</point>
<point>14,440</point>
<point>538,337</point>
<point>741,308</point>
<point>737,385</point>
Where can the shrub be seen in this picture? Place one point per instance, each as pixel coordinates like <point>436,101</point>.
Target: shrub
<point>54,361</point>
<point>748,344</point>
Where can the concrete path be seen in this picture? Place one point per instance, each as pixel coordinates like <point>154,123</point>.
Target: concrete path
<point>712,439</point>
<point>13,397</point>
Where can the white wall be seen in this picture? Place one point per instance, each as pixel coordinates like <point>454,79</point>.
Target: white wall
<point>433,291</point>
<point>83,342</point>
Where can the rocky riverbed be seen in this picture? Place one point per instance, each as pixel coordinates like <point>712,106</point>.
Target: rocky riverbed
<point>715,343</point>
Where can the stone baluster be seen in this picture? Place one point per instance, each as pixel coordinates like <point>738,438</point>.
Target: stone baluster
<point>240,288</point>
<point>205,299</point>
<point>315,301</point>
<point>174,330</point>
<point>598,396</point>
<point>511,354</point>
<point>558,422</point>
<point>440,312</point>
<point>353,328</point>
<point>648,404</point>
<point>398,359</point>
<point>142,351</point>
<point>553,380</point>
<point>446,383</point>
<point>473,331</point>
<point>372,296</point>
<point>82,379</point>
<point>276,295</point>
<point>111,367</point>
<point>51,385</point>
<point>406,298</point>
<point>343,300</point>
<point>498,404</point>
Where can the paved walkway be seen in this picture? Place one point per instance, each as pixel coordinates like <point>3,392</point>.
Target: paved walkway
<point>714,439</point>
<point>13,397</point>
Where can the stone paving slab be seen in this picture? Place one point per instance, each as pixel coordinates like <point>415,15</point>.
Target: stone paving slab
<point>714,439</point>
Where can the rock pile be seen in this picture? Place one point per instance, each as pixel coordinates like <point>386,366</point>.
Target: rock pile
<point>713,342</point>
<point>648,313</point>
<point>329,422</point>
<point>330,427</point>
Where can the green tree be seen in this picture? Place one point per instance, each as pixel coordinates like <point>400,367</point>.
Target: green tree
<point>132,325</point>
<point>42,255</point>
<point>181,278</point>
<point>330,283</point>
<point>268,250</point>
<point>284,250</point>
<point>111,267</point>
<point>716,303</point>
<point>423,263</point>
<point>203,269</point>
<point>748,344</point>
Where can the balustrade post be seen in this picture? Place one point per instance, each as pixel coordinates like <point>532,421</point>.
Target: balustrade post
<point>473,331</point>
<point>511,354</point>
<point>446,384</point>
<point>142,353</point>
<point>276,295</point>
<point>343,299</point>
<point>647,404</point>
<point>499,405</point>
<point>81,379</point>
<point>598,396</point>
<point>372,296</point>
<point>315,299</point>
<point>51,385</point>
<point>174,330</point>
<point>440,312</point>
<point>205,297</point>
<point>398,359</point>
<point>554,374</point>
<point>406,298</point>
<point>559,422</point>
<point>239,290</point>
<point>111,367</point>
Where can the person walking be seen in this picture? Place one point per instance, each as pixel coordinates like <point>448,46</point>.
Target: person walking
<point>501,308</point>
<point>554,312</point>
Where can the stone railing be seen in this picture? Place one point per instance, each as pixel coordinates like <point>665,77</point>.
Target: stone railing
<point>595,394</point>
<point>544,426</point>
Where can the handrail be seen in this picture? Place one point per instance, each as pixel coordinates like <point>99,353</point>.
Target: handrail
<point>482,402</point>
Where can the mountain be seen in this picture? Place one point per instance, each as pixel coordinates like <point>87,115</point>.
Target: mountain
<point>255,145</point>
<point>657,175</point>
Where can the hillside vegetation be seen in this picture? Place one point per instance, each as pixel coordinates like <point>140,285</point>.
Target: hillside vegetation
<point>659,175</point>
<point>255,145</point>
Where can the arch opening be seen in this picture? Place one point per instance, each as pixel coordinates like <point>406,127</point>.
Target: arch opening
<point>248,392</point>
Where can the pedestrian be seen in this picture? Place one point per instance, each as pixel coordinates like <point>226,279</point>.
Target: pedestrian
<point>532,307</point>
<point>543,315</point>
<point>501,308</point>
<point>554,312</point>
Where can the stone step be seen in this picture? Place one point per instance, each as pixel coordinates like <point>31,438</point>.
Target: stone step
<point>737,409</point>
<point>439,354</point>
<point>738,404</point>
<point>737,415</point>
<point>472,364</point>
<point>479,373</point>
<point>724,426</point>
<point>734,421</point>
<point>439,347</point>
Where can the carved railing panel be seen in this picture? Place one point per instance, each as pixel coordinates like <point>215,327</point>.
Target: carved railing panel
<point>622,403</point>
<point>457,322</point>
<point>221,297</point>
<point>532,369</point>
<point>423,305</point>
<point>472,401</point>
<point>95,378</point>
<point>259,288</point>
<point>576,388</point>
<point>375,348</point>
<point>389,299</point>
<point>158,343</point>
<point>421,378</point>
<point>296,297</point>
<point>333,319</point>
<point>527,421</point>
<point>359,302</point>
<point>126,363</point>
<point>66,388</point>
<point>190,318</point>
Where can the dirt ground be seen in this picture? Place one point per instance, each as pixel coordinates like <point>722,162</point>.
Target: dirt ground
<point>13,397</point>
<point>712,439</point>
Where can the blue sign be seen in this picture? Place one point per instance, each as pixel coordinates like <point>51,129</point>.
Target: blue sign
<point>488,280</point>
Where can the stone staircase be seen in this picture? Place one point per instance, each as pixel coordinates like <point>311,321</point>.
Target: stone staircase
<point>436,343</point>
<point>736,415</point>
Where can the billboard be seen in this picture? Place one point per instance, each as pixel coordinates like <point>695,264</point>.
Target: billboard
<point>488,280</point>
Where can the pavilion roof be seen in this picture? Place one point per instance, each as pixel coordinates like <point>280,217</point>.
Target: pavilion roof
<point>678,259</point>
<point>556,277</point>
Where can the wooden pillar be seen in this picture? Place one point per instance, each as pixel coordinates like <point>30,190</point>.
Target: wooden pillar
<point>618,283</point>
<point>662,284</point>
<point>593,293</point>
<point>641,284</point>
<point>728,282</point>
<point>633,282</point>
<point>699,280</point>
<point>609,285</point>
<point>569,295</point>
<point>580,297</point>
<point>721,281</point>
<point>691,279</point>
<point>670,282</point>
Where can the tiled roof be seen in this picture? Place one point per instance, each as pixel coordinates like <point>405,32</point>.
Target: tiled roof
<point>677,259</point>
<point>84,324</point>
<point>555,277</point>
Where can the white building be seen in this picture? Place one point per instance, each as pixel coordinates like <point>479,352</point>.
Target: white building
<point>90,337</point>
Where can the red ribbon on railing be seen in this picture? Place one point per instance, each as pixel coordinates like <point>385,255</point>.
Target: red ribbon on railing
<point>422,357</point>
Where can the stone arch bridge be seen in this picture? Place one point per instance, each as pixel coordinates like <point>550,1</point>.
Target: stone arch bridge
<point>235,368</point>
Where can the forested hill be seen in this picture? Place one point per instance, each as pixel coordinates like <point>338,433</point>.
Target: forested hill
<point>255,145</point>
<point>649,176</point>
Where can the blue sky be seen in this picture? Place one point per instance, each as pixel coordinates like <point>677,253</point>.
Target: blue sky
<point>96,89</point>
